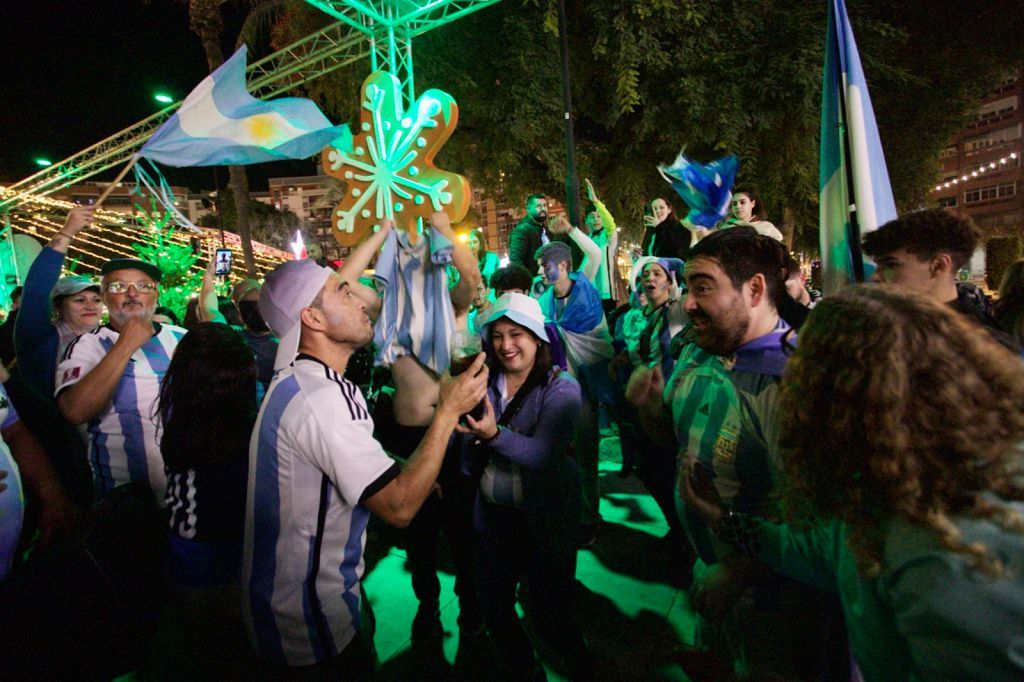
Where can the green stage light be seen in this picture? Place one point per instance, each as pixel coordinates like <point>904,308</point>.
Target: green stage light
<point>162,98</point>
<point>44,162</point>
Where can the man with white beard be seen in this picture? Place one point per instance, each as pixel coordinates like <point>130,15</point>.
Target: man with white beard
<point>110,378</point>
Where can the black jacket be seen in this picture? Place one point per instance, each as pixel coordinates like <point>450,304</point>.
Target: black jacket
<point>526,239</point>
<point>668,239</point>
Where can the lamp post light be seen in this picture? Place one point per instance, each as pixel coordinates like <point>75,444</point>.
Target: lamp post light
<point>572,183</point>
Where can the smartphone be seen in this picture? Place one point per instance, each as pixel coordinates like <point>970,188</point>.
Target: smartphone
<point>223,264</point>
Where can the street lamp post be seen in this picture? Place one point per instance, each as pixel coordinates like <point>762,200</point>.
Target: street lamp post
<point>572,183</point>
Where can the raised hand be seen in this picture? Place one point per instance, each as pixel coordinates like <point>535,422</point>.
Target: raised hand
<point>462,393</point>
<point>559,224</point>
<point>136,332</point>
<point>79,218</point>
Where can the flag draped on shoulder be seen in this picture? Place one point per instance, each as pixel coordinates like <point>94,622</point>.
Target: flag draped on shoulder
<point>853,182</point>
<point>221,124</point>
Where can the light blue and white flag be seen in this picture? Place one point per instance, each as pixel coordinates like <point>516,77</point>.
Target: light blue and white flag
<point>706,188</point>
<point>221,124</point>
<point>855,195</point>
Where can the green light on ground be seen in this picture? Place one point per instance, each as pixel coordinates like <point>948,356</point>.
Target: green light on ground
<point>162,98</point>
<point>44,162</point>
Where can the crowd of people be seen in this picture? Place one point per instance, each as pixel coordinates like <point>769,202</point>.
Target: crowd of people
<point>840,476</point>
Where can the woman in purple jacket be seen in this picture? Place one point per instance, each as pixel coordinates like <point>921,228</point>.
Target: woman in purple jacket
<point>528,499</point>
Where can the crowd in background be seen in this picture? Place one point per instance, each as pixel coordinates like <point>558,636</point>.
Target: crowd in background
<point>840,476</point>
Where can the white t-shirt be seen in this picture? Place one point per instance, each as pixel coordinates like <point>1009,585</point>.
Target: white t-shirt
<point>12,500</point>
<point>312,460</point>
<point>123,445</point>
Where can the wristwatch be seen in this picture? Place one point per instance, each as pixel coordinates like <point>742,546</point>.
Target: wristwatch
<point>740,530</point>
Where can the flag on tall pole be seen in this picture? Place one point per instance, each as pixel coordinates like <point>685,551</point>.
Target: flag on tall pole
<point>853,182</point>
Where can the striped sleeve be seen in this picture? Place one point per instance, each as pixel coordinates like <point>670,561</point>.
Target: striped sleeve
<point>79,359</point>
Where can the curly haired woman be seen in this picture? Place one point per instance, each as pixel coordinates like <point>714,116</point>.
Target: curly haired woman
<point>902,434</point>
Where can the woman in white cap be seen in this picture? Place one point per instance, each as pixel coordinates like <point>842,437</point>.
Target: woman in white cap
<point>528,499</point>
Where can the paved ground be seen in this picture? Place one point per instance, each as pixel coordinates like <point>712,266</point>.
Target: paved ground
<point>631,611</point>
<point>630,607</point>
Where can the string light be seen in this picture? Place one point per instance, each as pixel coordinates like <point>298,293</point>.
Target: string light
<point>992,165</point>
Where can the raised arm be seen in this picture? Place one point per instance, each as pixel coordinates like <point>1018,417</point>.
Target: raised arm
<point>358,261</point>
<point>209,306</point>
<point>591,253</point>
<point>606,218</point>
<point>463,259</point>
<point>33,323</point>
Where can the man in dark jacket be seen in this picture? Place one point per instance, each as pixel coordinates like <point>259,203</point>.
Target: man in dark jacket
<point>531,233</point>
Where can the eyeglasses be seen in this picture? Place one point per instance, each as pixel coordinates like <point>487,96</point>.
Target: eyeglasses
<point>118,287</point>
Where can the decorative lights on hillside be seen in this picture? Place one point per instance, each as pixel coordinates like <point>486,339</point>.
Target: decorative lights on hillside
<point>974,174</point>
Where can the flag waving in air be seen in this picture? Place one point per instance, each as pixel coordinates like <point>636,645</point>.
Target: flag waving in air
<point>855,195</point>
<point>220,124</point>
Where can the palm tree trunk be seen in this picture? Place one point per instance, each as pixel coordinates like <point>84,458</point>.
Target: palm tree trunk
<point>206,22</point>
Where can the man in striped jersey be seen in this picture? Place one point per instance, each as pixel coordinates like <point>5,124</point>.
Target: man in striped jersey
<point>110,380</point>
<point>316,473</point>
<point>720,408</point>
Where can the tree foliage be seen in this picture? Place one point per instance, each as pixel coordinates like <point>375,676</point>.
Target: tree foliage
<point>651,77</point>
<point>267,224</point>
<point>172,255</point>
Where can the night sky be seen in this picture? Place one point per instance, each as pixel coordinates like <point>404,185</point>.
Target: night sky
<point>78,72</point>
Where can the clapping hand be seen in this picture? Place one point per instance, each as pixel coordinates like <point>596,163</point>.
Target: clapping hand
<point>645,387</point>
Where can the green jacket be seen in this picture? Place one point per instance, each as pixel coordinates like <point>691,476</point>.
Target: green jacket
<point>928,615</point>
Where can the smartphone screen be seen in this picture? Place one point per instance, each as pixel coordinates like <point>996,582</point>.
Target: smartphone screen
<point>223,266</point>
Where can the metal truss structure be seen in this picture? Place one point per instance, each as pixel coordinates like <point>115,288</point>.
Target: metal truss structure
<point>380,29</point>
<point>391,25</point>
<point>320,53</point>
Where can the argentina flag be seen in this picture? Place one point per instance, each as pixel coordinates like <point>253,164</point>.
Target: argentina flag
<point>855,195</point>
<point>220,123</point>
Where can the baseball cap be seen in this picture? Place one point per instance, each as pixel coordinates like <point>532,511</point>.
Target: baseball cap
<point>72,284</point>
<point>289,288</point>
<point>131,264</point>
<point>521,309</point>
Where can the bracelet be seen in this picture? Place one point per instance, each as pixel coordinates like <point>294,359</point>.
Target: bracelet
<point>488,441</point>
<point>65,234</point>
